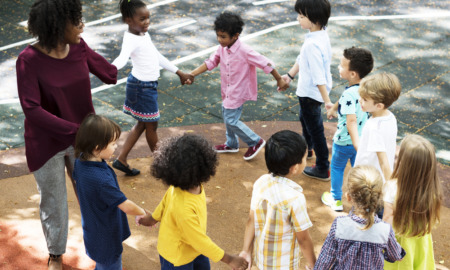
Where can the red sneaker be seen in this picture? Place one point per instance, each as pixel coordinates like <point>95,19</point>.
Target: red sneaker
<point>223,148</point>
<point>254,150</point>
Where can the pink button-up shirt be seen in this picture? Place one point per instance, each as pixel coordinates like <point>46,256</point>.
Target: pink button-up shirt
<point>238,72</point>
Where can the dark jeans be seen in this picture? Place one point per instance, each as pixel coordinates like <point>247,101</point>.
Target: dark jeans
<point>313,131</point>
<point>199,263</point>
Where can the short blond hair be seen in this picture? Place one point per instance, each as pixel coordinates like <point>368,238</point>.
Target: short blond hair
<point>384,88</point>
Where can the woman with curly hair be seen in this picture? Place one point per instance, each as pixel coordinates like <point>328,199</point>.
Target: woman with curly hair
<point>184,163</point>
<point>55,95</point>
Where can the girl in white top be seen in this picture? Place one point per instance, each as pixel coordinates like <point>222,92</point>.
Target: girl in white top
<point>141,94</point>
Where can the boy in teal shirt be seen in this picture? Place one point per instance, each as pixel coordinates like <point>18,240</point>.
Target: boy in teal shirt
<point>355,64</point>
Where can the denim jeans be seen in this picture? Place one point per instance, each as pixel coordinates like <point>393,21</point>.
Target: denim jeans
<point>117,265</point>
<point>339,158</point>
<point>236,128</point>
<point>199,263</point>
<point>53,210</point>
<point>313,131</point>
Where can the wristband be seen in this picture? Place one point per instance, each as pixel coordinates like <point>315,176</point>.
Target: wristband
<point>290,77</point>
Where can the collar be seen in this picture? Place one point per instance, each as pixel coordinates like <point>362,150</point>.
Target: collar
<point>357,84</point>
<point>100,164</point>
<point>287,181</point>
<point>361,220</point>
<point>235,47</point>
<point>315,33</point>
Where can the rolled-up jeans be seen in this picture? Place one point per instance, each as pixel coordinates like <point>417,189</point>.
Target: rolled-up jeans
<point>53,210</point>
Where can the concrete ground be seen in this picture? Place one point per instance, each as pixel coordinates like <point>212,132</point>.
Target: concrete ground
<point>407,38</point>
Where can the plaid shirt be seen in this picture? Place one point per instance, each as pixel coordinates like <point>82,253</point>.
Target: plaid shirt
<point>349,247</point>
<point>280,211</point>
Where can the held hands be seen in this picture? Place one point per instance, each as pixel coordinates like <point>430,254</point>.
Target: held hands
<point>283,83</point>
<point>328,106</point>
<point>331,113</point>
<point>238,263</point>
<point>185,78</point>
<point>145,220</point>
<point>248,257</point>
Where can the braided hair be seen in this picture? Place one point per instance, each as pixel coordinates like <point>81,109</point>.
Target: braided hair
<point>128,8</point>
<point>365,189</point>
<point>48,19</point>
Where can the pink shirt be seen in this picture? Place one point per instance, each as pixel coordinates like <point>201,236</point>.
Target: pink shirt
<point>238,72</point>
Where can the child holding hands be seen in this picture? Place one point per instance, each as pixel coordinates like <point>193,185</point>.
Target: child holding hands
<point>185,163</point>
<point>314,82</point>
<point>412,202</point>
<point>278,223</point>
<point>103,206</point>
<point>360,240</point>
<point>238,63</point>
<point>141,91</point>
<point>355,64</point>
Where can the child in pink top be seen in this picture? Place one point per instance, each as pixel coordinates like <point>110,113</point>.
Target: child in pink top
<point>238,63</point>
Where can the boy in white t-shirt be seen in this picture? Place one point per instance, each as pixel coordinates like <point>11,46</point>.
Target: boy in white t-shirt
<point>378,139</point>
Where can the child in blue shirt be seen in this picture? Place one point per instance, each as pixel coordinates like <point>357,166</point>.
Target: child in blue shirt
<point>314,82</point>
<point>355,64</point>
<point>103,206</point>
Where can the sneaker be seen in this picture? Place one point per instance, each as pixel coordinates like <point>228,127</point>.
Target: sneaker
<point>313,172</point>
<point>310,155</point>
<point>223,148</point>
<point>254,150</point>
<point>327,199</point>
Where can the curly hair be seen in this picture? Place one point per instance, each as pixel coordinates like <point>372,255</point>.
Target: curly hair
<point>95,133</point>
<point>283,150</point>
<point>229,22</point>
<point>48,20</point>
<point>185,161</point>
<point>365,188</point>
<point>361,60</point>
<point>128,8</point>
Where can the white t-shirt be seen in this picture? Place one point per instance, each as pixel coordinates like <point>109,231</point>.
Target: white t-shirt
<point>145,58</point>
<point>378,135</point>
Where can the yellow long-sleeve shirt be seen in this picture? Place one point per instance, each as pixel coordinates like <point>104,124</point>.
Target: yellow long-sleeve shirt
<point>182,233</point>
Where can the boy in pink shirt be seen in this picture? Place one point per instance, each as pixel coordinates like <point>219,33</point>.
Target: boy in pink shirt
<point>238,63</point>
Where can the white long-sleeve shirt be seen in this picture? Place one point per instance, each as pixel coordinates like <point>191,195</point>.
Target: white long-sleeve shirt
<point>146,59</point>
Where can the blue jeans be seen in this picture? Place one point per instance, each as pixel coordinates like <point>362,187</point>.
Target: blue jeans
<point>199,263</point>
<point>117,265</point>
<point>313,131</point>
<point>236,128</point>
<point>340,156</point>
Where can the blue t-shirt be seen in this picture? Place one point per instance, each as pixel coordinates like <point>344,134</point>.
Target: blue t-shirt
<point>105,226</point>
<point>349,104</point>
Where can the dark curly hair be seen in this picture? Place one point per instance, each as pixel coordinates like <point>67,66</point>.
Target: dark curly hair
<point>48,19</point>
<point>229,23</point>
<point>361,60</point>
<point>128,8</point>
<point>185,161</point>
<point>283,150</point>
<point>317,11</point>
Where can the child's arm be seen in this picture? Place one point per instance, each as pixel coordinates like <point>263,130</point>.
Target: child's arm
<point>281,83</point>
<point>130,208</point>
<point>388,213</point>
<point>328,253</point>
<point>352,127</point>
<point>394,252</point>
<point>307,247</point>
<point>147,220</point>
<point>326,99</point>
<point>202,68</point>
<point>331,113</point>
<point>185,78</point>
<point>384,165</point>
<point>249,236</point>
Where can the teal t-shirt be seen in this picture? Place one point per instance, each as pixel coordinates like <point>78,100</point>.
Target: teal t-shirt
<point>349,104</point>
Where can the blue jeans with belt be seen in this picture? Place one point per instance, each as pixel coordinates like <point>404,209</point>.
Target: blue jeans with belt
<point>313,131</point>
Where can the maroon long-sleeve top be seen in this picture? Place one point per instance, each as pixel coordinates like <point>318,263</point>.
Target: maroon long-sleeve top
<point>55,95</point>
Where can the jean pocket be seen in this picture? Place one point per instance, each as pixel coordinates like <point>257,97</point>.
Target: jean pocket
<point>132,92</point>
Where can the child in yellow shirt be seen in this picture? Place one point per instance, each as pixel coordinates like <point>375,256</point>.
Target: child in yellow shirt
<point>184,163</point>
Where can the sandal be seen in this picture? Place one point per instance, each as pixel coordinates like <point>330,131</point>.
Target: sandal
<point>126,169</point>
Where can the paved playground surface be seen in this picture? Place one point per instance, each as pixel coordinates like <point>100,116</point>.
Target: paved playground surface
<point>407,38</point>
